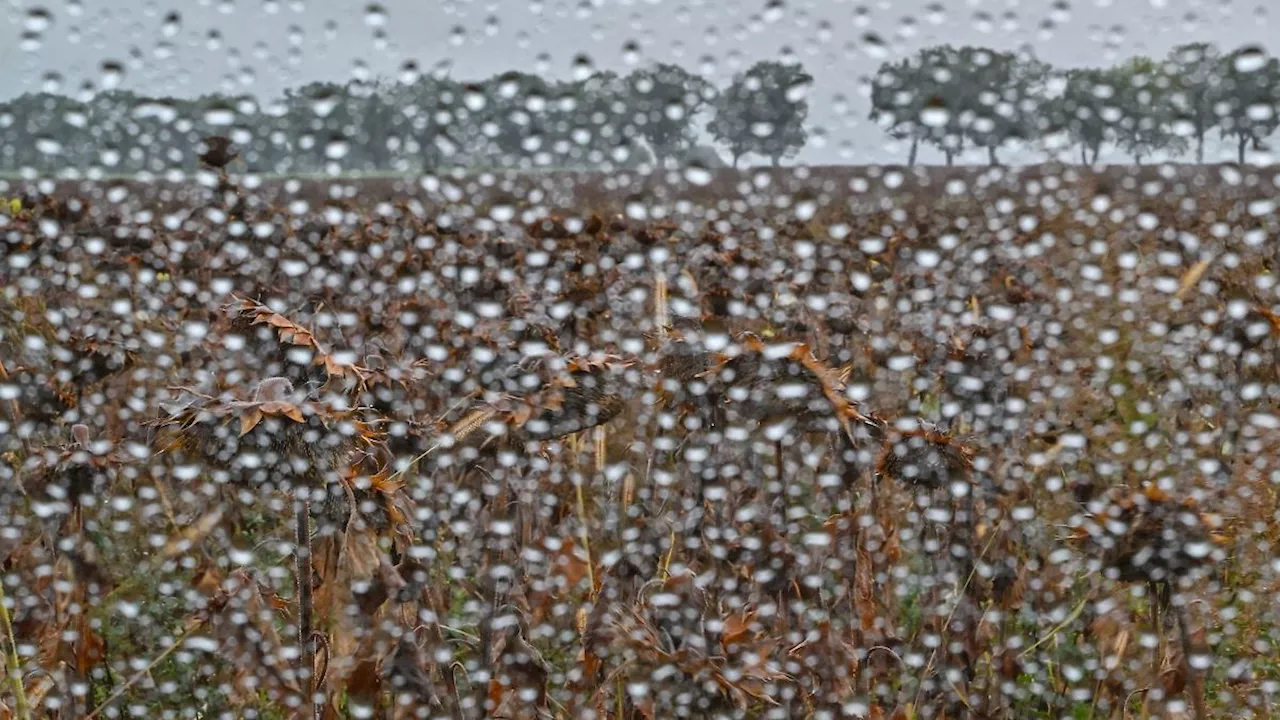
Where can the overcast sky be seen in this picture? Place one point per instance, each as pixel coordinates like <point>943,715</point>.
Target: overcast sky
<point>188,47</point>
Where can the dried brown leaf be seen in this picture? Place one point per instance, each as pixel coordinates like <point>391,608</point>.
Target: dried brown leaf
<point>249,421</point>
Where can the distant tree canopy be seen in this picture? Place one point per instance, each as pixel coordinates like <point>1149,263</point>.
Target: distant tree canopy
<point>952,98</point>
<point>511,120</point>
<point>763,112</point>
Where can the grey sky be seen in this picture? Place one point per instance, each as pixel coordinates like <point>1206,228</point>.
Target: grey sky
<point>836,41</point>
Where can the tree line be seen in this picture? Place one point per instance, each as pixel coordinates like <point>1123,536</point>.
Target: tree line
<point>973,97</point>
<point>952,99</point>
<point>421,123</point>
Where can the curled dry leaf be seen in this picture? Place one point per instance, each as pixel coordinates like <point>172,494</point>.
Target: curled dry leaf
<point>292,333</point>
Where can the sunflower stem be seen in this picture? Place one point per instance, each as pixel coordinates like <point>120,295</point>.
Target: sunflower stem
<point>302,517</point>
<point>586,535</point>
<point>13,664</point>
<point>1193,675</point>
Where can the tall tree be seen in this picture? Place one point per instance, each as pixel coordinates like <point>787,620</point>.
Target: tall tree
<point>318,117</point>
<point>431,106</point>
<point>929,97</point>
<point>763,111</point>
<point>898,99</point>
<point>1002,97</point>
<point>597,123</point>
<point>664,100</point>
<point>42,132</point>
<point>1144,91</point>
<point>1250,95</point>
<point>1086,110</point>
<point>514,111</point>
<point>1196,69</point>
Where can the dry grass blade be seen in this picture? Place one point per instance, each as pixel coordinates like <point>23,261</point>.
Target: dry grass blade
<point>661,312</point>
<point>13,664</point>
<point>1192,277</point>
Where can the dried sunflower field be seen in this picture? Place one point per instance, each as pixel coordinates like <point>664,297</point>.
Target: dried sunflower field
<point>862,442</point>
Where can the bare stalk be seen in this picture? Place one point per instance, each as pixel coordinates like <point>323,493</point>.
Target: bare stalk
<point>1193,675</point>
<point>586,532</point>
<point>12,663</point>
<point>302,554</point>
<point>661,314</point>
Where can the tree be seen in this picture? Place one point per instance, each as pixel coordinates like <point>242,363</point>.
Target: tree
<point>317,119</point>
<point>930,97</point>
<point>763,111</point>
<point>664,100</point>
<point>599,130</point>
<point>1086,110</point>
<point>1143,92</point>
<point>45,132</point>
<point>1001,99</point>
<point>899,99</point>
<point>514,111</point>
<point>1250,83</point>
<point>1196,69</point>
<point>431,106</point>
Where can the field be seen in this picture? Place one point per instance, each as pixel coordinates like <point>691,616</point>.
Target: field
<point>833,442</point>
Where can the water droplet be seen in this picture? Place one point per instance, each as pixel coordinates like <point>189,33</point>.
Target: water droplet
<point>502,212</point>
<point>474,100</point>
<point>631,52</point>
<point>805,210</point>
<point>375,15</point>
<point>697,175</point>
<point>337,148</point>
<point>583,68</point>
<point>48,146</point>
<point>172,24</point>
<point>219,116</point>
<point>1260,112</point>
<point>774,10</point>
<point>112,74</point>
<point>37,20</point>
<point>935,117</point>
<point>637,210</point>
<point>872,245</point>
<point>1249,59</point>
<point>874,46</point>
<point>409,72</point>
<point>323,104</point>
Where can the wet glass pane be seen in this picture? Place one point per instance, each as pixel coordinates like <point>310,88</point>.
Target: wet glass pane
<point>639,360</point>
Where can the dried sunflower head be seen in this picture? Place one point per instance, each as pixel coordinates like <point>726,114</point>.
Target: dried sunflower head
<point>777,383</point>
<point>554,396</point>
<point>66,474</point>
<point>274,437</point>
<point>1147,535</point>
<point>924,457</point>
